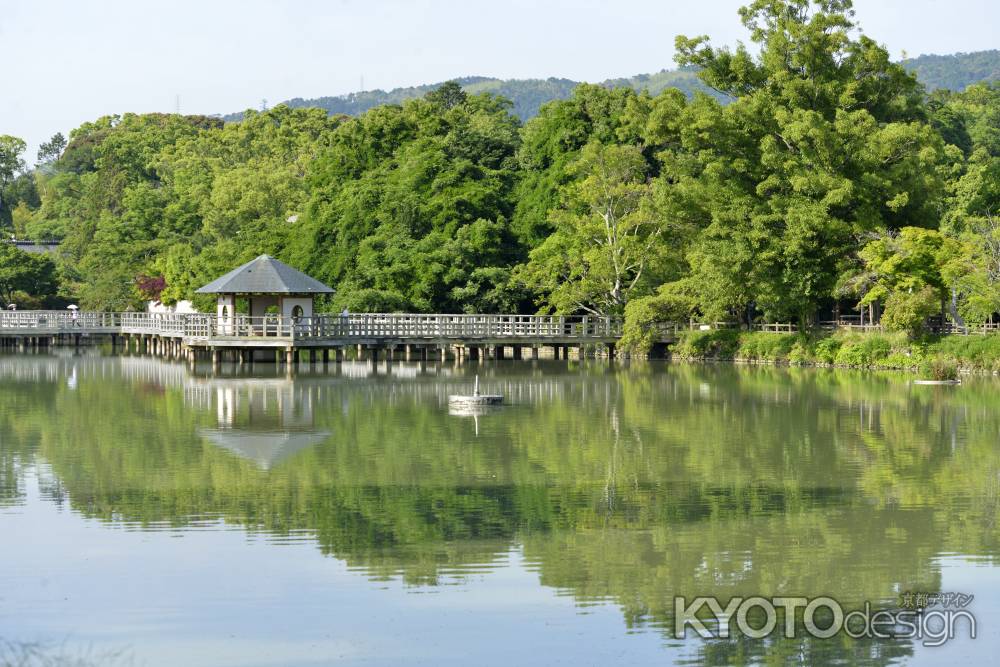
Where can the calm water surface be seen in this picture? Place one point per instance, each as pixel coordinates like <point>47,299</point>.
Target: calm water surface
<point>150,515</point>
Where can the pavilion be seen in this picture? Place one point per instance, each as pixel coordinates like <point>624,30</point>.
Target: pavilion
<point>265,282</point>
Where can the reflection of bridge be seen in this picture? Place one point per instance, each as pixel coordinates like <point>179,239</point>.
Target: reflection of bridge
<point>371,335</point>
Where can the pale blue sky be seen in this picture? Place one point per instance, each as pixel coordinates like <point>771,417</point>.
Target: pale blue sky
<point>68,61</point>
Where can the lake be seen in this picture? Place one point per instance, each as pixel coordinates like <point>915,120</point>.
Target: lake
<point>154,515</point>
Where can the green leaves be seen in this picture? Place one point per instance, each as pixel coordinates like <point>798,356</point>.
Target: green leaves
<point>608,241</point>
<point>25,277</point>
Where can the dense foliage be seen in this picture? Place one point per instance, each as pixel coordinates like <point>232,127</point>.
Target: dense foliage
<point>818,179</point>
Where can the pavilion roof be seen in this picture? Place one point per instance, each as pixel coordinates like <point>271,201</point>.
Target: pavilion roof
<point>265,275</point>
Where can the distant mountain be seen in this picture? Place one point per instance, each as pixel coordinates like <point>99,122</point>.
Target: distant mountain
<point>953,72</point>
<point>526,94</point>
<point>956,71</point>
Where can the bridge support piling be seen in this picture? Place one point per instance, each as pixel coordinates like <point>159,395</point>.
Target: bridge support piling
<point>534,352</point>
<point>611,350</point>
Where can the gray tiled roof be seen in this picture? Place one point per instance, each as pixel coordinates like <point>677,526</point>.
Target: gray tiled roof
<point>265,275</point>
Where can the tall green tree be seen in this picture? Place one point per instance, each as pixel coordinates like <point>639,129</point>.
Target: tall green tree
<point>11,149</point>
<point>24,273</point>
<point>609,240</point>
<point>826,138</point>
<point>49,151</point>
<point>410,207</point>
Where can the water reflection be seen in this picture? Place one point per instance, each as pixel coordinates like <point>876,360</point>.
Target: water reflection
<point>262,420</point>
<point>621,484</point>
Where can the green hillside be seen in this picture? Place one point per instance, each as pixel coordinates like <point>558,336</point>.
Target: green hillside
<point>527,95</point>
<point>953,72</point>
<point>956,71</point>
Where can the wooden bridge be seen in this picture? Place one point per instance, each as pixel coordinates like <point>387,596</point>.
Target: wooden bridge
<point>368,335</point>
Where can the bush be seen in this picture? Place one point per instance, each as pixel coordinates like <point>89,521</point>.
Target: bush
<point>863,350</point>
<point>642,316</point>
<point>908,311</point>
<point>826,349</point>
<point>718,344</point>
<point>939,369</point>
<point>766,346</point>
<point>974,352</point>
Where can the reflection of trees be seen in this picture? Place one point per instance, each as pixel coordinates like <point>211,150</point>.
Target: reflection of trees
<point>678,480</point>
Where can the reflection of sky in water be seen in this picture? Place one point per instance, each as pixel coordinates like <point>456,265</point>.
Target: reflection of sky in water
<point>229,599</point>
<point>234,600</point>
<point>669,479</point>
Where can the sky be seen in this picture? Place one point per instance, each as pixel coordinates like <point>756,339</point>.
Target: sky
<point>70,61</point>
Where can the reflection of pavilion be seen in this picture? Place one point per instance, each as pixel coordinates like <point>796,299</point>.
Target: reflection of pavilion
<point>265,421</point>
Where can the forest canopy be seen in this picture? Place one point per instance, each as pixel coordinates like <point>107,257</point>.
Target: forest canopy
<point>814,177</point>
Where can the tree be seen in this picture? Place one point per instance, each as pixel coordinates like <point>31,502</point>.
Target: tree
<point>11,163</point>
<point>20,219</point>
<point>51,150</point>
<point>607,238</point>
<point>410,207</point>
<point>23,272</point>
<point>551,142</point>
<point>448,95</point>
<point>906,274</point>
<point>825,140</point>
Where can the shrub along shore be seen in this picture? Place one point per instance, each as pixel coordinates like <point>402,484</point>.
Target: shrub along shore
<point>935,357</point>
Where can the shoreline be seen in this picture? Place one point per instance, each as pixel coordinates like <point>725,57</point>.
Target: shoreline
<point>933,357</point>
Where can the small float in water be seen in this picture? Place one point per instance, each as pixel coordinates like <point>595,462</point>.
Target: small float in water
<point>476,399</point>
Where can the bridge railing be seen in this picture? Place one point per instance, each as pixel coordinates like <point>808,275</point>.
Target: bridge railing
<point>336,326</point>
<point>59,320</point>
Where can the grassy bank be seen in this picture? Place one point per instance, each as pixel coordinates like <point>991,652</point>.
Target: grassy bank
<point>881,351</point>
